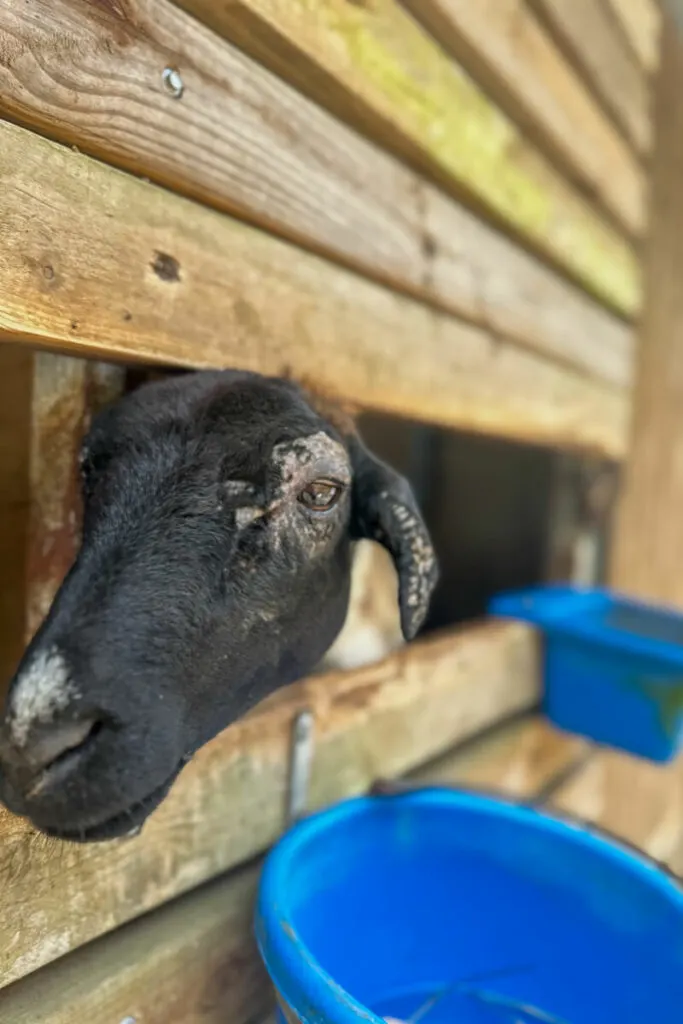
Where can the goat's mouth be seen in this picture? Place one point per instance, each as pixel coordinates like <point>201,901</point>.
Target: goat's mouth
<point>121,824</point>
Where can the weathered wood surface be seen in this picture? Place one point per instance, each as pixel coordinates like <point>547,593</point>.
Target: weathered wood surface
<point>66,393</point>
<point>635,800</point>
<point>229,803</point>
<point>245,142</point>
<point>16,377</point>
<point>641,23</point>
<point>521,758</point>
<point>586,32</point>
<point>193,961</point>
<point>527,758</point>
<point>374,67</point>
<point>507,50</point>
<point>145,275</point>
<point>648,549</point>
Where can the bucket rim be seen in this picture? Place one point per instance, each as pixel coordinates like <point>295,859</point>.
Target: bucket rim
<point>295,972</point>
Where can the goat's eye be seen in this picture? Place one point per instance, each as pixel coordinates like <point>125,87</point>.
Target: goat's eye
<point>321,495</point>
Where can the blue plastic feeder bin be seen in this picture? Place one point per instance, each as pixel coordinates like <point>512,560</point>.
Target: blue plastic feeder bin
<point>452,908</point>
<point>613,667</point>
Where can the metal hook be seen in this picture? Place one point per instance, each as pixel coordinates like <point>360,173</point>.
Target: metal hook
<point>300,765</point>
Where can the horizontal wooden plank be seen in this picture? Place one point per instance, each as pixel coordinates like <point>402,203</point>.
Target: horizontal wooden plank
<point>229,803</point>
<point>193,961</point>
<point>641,23</point>
<point>521,758</point>
<point>527,758</point>
<point>586,32</point>
<point>634,799</point>
<point>245,142</point>
<point>374,67</point>
<point>509,51</point>
<point>494,283</point>
<point>144,274</point>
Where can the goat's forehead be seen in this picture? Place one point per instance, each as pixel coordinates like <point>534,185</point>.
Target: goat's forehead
<point>317,450</point>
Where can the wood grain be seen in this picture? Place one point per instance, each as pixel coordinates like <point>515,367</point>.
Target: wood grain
<point>16,378</point>
<point>374,67</point>
<point>229,803</point>
<point>641,23</point>
<point>648,548</point>
<point>506,49</point>
<point>145,275</point>
<point>66,393</point>
<point>193,961</point>
<point>521,758</point>
<point>246,143</point>
<point>586,32</point>
<point>635,800</point>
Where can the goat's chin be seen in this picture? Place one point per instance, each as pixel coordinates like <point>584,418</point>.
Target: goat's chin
<point>125,823</point>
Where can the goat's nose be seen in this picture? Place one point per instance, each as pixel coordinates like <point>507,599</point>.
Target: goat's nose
<point>49,755</point>
<point>46,729</point>
<point>49,743</point>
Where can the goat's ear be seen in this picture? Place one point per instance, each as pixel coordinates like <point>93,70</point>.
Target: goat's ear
<point>384,509</point>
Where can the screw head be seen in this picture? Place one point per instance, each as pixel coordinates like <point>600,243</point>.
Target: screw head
<point>129,1020</point>
<point>173,82</point>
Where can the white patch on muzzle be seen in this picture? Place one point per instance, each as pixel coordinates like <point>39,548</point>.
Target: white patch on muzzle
<point>43,689</point>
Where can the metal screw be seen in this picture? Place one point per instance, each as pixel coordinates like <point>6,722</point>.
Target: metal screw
<point>129,1020</point>
<point>173,83</point>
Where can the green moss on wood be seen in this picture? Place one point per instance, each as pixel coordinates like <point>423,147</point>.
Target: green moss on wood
<point>383,57</point>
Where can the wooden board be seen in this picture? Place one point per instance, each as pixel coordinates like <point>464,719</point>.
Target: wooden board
<point>526,758</point>
<point>193,961</point>
<point>144,275</point>
<point>523,758</point>
<point>648,550</point>
<point>243,141</point>
<point>633,799</point>
<point>586,32</point>
<point>66,393</point>
<point>229,803</point>
<point>641,23</point>
<point>16,377</point>
<point>374,67</point>
<point>506,49</point>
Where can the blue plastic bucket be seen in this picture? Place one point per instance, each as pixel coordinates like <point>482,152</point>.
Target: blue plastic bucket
<point>453,908</point>
<point>613,667</point>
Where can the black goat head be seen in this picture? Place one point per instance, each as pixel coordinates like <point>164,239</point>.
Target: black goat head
<point>219,514</point>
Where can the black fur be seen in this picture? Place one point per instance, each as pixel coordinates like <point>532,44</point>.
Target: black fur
<point>177,618</point>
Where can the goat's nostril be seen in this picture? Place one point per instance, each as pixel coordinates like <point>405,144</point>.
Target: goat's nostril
<point>59,740</point>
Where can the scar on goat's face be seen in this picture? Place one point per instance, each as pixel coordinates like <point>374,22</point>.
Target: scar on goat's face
<point>213,571</point>
<point>295,464</point>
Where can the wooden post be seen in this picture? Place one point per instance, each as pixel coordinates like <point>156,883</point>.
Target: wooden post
<point>647,557</point>
<point>582,500</point>
<point>66,393</point>
<point>16,364</point>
